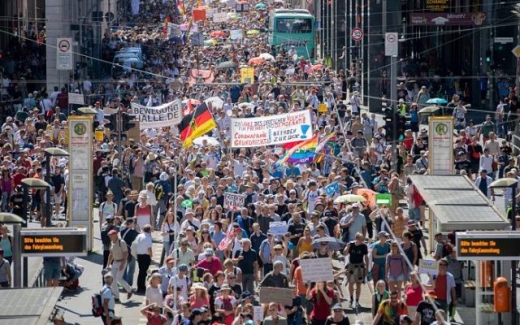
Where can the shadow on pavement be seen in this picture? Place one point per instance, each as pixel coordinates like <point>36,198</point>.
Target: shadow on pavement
<point>93,257</point>
<point>131,304</point>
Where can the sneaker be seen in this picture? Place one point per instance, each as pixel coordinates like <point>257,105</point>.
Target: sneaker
<point>358,305</point>
<point>130,294</point>
<point>351,303</point>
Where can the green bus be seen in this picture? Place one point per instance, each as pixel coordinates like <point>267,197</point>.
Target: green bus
<point>293,27</point>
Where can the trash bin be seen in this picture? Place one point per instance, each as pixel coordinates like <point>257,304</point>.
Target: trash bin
<point>469,293</point>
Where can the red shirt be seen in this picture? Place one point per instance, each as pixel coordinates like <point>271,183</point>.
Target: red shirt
<point>155,319</point>
<point>441,287</point>
<point>320,307</point>
<point>213,267</point>
<point>17,178</point>
<point>413,295</point>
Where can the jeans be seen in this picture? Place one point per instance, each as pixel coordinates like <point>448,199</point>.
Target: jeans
<point>165,251</point>
<point>5,200</point>
<point>160,208</point>
<point>268,267</point>
<point>248,282</point>
<point>128,275</point>
<point>106,253</point>
<point>143,260</point>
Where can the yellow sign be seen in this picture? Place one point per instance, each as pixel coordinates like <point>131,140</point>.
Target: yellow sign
<point>322,108</point>
<point>100,135</point>
<point>437,5</point>
<point>247,75</point>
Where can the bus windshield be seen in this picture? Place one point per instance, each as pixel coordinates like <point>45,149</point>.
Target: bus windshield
<point>293,25</point>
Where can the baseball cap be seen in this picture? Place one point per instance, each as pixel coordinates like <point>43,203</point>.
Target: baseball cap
<point>183,267</point>
<point>112,232</point>
<point>383,233</point>
<point>356,205</point>
<point>109,217</point>
<point>209,252</point>
<point>196,312</point>
<point>337,307</point>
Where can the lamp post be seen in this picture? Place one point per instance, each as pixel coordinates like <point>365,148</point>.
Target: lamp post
<point>30,183</point>
<point>511,183</point>
<point>51,152</point>
<point>16,221</point>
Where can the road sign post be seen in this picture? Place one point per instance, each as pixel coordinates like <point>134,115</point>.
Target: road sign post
<point>64,54</point>
<point>357,34</point>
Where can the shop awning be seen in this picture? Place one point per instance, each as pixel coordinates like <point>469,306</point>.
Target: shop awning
<point>458,204</point>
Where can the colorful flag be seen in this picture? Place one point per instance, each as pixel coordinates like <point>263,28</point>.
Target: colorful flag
<point>323,142</point>
<point>332,188</point>
<point>325,147</point>
<point>180,6</point>
<point>302,153</point>
<point>196,124</point>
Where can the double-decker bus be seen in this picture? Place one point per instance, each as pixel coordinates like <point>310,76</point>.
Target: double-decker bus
<point>293,27</point>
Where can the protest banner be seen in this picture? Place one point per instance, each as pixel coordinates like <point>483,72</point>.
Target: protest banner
<point>236,34</point>
<point>332,188</point>
<point>282,296</point>
<point>165,115</point>
<point>316,269</point>
<point>278,228</point>
<point>233,201</point>
<point>429,267</point>
<point>271,130</point>
<point>76,99</point>
<point>220,17</point>
<point>247,75</point>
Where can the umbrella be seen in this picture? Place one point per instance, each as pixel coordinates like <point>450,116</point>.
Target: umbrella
<point>256,61</point>
<point>438,101</point>
<point>215,102</point>
<point>253,32</point>
<point>206,141</point>
<point>210,42</point>
<point>267,56</point>
<point>218,33</point>
<point>350,198</point>
<point>317,67</point>
<point>429,109</point>
<point>227,65</point>
<point>260,6</point>
<point>7,218</point>
<point>187,203</point>
<point>333,243</point>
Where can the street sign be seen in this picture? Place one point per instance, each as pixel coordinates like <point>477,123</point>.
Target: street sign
<point>357,34</point>
<point>391,44</point>
<point>54,242</point>
<point>516,51</point>
<point>503,40</point>
<point>497,245</point>
<point>64,54</point>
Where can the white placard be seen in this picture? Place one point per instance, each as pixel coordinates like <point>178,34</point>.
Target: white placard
<point>236,34</point>
<point>165,115</point>
<point>429,267</point>
<point>440,146</point>
<point>219,17</point>
<point>316,269</point>
<point>258,313</point>
<point>391,44</point>
<point>233,201</point>
<point>64,55</point>
<point>278,228</point>
<point>209,13</point>
<point>271,130</point>
<point>80,187</point>
<point>77,99</point>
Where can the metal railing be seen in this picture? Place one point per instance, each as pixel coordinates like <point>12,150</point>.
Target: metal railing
<point>38,281</point>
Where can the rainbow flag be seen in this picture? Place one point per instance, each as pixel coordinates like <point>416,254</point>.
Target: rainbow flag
<point>324,141</point>
<point>325,147</point>
<point>180,7</point>
<point>301,153</point>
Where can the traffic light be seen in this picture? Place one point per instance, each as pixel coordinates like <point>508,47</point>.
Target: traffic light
<point>112,124</point>
<point>488,56</point>
<point>127,121</point>
<point>388,118</point>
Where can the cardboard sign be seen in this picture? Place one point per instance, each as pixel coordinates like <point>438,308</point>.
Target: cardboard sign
<point>429,267</point>
<point>247,75</point>
<point>258,313</point>
<point>283,296</point>
<point>316,269</point>
<point>322,108</point>
<point>236,34</point>
<point>233,201</point>
<point>77,99</point>
<point>220,17</point>
<point>278,228</point>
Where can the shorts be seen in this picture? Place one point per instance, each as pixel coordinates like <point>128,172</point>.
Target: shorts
<point>57,198</point>
<point>51,270</point>
<point>356,273</point>
<point>414,126</point>
<point>396,278</point>
<point>414,214</point>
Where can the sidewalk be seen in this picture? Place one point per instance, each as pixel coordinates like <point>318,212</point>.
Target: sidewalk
<point>77,305</point>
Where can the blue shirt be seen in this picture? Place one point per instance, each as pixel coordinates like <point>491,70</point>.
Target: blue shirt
<point>383,188</point>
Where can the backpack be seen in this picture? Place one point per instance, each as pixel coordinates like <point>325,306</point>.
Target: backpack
<point>104,235</point>
<point>446,249</point>
<point>97,303</point>
<point>158,190</point>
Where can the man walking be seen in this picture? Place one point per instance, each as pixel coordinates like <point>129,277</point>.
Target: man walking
<point>5,271</point>
<point>129,234</point>
<point>118,258</point>
<point>144,256</point>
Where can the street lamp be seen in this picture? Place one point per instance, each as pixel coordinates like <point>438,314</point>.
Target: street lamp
<point>51,152</point>
<point>10,218</point>
<point>31,183</point>
<point>511,183</point>
<point>16,221</point>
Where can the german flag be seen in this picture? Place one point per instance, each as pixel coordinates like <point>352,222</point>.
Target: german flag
<point>196,124</point>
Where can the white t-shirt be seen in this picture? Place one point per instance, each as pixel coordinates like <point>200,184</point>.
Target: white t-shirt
<point>182,283</point>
